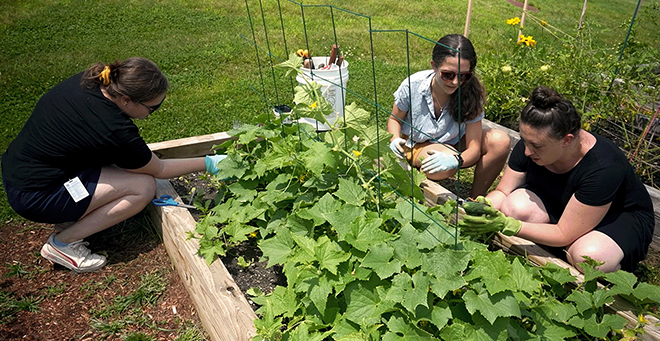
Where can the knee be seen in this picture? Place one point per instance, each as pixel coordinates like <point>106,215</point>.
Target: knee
<point>144,187</point>
<point>498,140</point>
<point>580,249</point>
<point>515,208</point>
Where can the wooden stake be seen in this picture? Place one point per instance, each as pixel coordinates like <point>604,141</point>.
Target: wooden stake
<point>584,9</point>
<point>522,19</point>
<point>467,19</point>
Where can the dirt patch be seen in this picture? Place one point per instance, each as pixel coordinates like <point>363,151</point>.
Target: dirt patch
<point>69,306</point>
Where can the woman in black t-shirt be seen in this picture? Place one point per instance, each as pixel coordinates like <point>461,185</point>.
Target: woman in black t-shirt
<point>568,188</point>
<point>80,163</point>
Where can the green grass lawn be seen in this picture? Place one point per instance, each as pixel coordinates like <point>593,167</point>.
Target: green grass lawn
<point>206,48</point>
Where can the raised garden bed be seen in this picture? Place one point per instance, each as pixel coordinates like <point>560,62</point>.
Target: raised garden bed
<point>223,309</point>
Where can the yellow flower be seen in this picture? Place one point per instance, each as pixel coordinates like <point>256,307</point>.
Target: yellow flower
<point>529,41</point>
<point>544,23</point>
<point>642,319</point>
<point>313,105</point>
<point>357,153</point>
<point>513,21</point>
<point>506,69</point>
<point>545,68</point>
<point>253,234</point>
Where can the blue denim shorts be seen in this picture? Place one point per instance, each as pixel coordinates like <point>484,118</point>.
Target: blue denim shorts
<point>53,205</point>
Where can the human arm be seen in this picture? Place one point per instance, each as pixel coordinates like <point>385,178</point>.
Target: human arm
<point>394,122</point>
<point>472,149</point>
<point>171,168</point>
<point>394,127</point>
<point>576,220</point>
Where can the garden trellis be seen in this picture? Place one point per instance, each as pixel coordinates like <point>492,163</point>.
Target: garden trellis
<point>271,38</point>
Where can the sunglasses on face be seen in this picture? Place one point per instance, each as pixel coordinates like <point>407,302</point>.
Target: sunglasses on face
<point>153,107</point>
<point>449,76</point>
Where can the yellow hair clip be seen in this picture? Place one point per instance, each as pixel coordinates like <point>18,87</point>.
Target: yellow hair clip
<point>105,76</point>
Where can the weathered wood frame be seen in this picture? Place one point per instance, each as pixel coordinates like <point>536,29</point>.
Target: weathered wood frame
<point>223,309</point>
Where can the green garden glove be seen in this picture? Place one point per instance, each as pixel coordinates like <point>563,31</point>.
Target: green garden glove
<point>483,200</point>
<point>492,221</point>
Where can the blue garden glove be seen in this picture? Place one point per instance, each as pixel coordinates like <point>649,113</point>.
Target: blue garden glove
<point>397,147</point>
<point>212,163</point>
<point>492,221</point>
<point>439,162</point>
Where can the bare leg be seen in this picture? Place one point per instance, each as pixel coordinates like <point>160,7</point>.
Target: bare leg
<point>597,246</point>
<point>119,195</point>
<point>525,205</point>
<point>494,151</point>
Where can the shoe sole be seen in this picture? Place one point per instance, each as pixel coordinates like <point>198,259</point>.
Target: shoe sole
<point>56,258</point>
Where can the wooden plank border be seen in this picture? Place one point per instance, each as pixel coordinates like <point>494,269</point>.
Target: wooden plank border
<point>223,309</point>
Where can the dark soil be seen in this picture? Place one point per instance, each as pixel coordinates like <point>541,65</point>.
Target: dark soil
<point>253,273</point>
<point>68,303</point>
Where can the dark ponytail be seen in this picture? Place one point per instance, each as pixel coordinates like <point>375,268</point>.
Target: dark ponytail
<point>473,93</point>
<point>546,108</point>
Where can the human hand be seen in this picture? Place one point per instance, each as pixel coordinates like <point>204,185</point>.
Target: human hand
<point>212,163</point>
<point>483,200</point>
<point>439,162</point>
<point>397,147</point>
<point>492,221</point>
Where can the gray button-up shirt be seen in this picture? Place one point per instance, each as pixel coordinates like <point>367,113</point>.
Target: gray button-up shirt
<point>426,127</point>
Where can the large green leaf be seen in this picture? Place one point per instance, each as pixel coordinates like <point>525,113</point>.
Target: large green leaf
<point>491,306</point>
<point>350,192</point>
<point>447,267</point>
<point>277,248</point>
<point>494,270</point>
<point>379,258</point>
<point>364,304</point>
<point>329,254</point>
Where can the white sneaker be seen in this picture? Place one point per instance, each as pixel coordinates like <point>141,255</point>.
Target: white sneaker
<point>74,256</point>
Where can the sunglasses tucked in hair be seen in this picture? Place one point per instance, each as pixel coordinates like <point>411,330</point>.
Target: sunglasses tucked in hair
<point>451,75</point>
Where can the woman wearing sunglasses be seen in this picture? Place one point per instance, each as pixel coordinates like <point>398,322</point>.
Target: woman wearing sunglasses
<point>429,130</point>
<point>569,189</point>
<point>80,163</point>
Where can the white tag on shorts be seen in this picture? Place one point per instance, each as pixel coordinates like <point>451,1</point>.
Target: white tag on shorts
<point>76,189</point>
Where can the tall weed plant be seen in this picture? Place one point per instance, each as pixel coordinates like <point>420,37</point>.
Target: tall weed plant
<point>612,85</point>
<point>595,76</point>
<point>574,66</point>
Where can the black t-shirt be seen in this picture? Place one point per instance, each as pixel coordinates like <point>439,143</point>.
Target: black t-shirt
<point>602,176</point>
<point>71,129</point>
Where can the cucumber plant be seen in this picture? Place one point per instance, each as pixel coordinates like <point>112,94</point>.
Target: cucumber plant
<point>364,260</point>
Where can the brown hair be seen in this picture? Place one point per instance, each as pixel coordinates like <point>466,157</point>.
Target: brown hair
<point>138,78</point>
<point>473,93</point>
<point>546,108</point>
